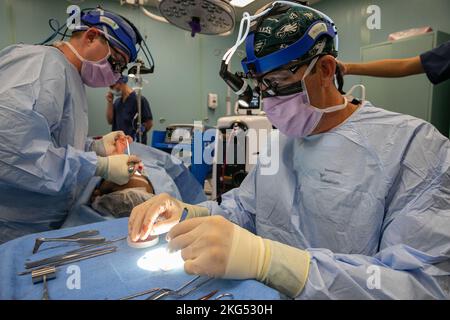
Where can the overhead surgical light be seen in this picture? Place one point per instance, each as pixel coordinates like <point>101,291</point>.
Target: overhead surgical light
<point>241,3</point>
<point>211,17</point>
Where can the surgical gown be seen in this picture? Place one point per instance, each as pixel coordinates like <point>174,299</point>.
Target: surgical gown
<point>43,131</point>
<point>369,200</point>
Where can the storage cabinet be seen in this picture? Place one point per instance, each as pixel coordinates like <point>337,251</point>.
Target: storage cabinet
<point>414,95</point>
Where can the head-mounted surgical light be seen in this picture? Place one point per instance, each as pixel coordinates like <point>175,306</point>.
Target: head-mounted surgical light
<point>254,66</point>
<point>238,85</point>
<point>119,32</point>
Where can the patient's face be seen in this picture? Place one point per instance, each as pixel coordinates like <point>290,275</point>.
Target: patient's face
<point>135,182</point>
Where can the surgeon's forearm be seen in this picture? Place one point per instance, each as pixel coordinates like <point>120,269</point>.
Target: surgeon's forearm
<point>279,266</point>
<point>196,211</point>
<point>65,168</point>
<point>390,68</point>
<point>285,268</point>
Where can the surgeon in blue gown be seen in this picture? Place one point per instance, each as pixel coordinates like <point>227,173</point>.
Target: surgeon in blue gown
<point>359,207</point>
<point>45,156</point>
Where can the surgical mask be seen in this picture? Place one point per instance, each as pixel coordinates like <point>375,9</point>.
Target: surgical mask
<point>96,74</point>
<point>294,115</point>
<point>116,93</point>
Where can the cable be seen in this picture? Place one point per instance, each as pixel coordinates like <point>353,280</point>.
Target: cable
<point>56,31</point>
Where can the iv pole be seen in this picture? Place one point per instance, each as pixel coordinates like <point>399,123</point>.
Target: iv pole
<point>135,73</point>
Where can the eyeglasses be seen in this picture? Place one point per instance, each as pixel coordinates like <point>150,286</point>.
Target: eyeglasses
<point>117,60</point>
<point>279,82</point>
<point>282,82</point>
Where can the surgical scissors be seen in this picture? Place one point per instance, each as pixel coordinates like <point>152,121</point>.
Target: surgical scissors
<point>158,293</point>
<point>209,295</point>
<point>223,295</point>
<point>165,292</point>
<point>219,297</point>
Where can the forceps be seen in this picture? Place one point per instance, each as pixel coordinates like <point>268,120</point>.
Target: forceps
<point>158,293</point>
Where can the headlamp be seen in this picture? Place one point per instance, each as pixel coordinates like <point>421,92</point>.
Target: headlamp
<point>254,66</point>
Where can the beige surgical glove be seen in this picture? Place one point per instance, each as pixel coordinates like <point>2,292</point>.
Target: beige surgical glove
<point>106,146</point>
<point>116,168</point>
<point>215,247</point>
<point>158,215</point>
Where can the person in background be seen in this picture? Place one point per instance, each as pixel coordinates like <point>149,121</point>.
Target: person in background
<point>435,63</point>
<point>122,113</point>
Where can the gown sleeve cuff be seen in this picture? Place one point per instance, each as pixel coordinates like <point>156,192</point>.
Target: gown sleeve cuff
<point>285,268</point>
<point>196,211</point>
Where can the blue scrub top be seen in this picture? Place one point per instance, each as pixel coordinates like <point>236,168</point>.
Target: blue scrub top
<point>436,63</point>
<point>124,113</point>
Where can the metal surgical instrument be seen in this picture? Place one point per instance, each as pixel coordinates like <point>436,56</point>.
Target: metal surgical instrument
<point>209,295</point>
<point>73,258</point>
<point>79,237</point>
<point>42,275</point>
<point>178,292</point>
<point>161,292</point>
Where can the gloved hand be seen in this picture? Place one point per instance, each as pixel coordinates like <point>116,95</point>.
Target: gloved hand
<point>106,146</point>
<point>116,168</point>
<point>216,247</point>
<point>158,215</point>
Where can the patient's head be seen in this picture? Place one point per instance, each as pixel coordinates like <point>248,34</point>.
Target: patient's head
<point>119,201</point>
<point>136,181</point>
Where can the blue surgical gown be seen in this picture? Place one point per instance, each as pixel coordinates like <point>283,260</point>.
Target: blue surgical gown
<point>43,131</point>
<point>369,200</point>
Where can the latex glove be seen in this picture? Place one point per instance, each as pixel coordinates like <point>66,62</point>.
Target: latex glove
<point>106,146</point>
<point>216,247</point>
<point>116,168</point>
<point>158,215</point>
